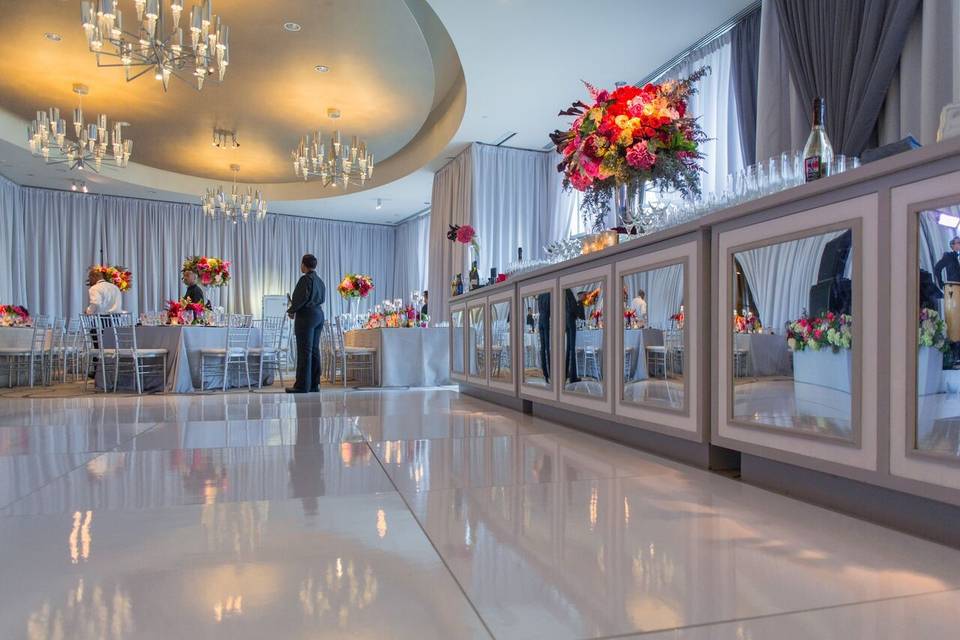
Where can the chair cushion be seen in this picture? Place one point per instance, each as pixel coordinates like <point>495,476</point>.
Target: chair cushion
<point>236,351</point>
<point>13,351</point>
<point>143,352</point>
<point>357,351</point>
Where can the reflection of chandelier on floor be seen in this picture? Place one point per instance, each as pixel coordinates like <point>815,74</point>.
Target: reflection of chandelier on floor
<point>156,46</point>
<point>47,137</point>
<point>336,165</point>
<point>234,206</point>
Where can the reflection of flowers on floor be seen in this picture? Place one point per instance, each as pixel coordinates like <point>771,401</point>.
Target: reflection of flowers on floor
<point>828,331</point>
<point>933,330</point>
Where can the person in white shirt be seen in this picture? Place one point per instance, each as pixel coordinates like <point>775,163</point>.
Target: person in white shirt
<point>639,306</point>
<point>104,295</point>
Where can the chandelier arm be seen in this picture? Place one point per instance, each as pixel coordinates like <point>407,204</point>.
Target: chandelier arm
<point>147,68</point>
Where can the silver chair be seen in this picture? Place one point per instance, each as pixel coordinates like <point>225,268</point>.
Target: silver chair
<point>236,352</point>
<point>353,360</point>
<point>272,354</point>
<point>29,360</point>
<point>137,361</point>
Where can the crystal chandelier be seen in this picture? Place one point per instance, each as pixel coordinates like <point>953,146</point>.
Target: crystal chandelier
<point>234,206</point>
<point>335,165</point>
<point>47,137</point>
<point>157,43</point>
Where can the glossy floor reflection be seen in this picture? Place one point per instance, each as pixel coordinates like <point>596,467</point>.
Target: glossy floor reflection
<point>416,514</point>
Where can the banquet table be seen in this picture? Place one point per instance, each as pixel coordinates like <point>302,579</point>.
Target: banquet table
<point>16,338</point>
<point>418,357</point>
<point>767,354</point>
<point>183,345</point>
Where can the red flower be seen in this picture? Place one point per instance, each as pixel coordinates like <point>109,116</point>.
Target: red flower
<point>205,278</point>
<point>465,234</point>
<point>580,181</point>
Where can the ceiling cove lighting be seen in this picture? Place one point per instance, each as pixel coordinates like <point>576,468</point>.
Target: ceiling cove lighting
<point>947,220</point>
<point>194,49</point>
<point>234,206</point>
<point>92,143</point>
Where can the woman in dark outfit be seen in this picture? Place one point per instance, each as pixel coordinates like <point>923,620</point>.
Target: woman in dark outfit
<point>306,309</point>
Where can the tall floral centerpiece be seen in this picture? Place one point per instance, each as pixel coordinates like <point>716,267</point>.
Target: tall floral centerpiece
<point>627,138</point>
<point>118,275</point>
<point>931,345</point>
<point>354,286</point>
<point>465,234</point>
<point>213,272</point>
<point>14,315</point>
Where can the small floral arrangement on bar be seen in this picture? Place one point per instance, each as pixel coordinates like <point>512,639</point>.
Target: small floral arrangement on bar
<point>629,318</point>
<point>213,272</point>
<point>464,234</point>
<point>631,134</point>
<point>829,331</point>
<point>120,276</point>
<point>187,312</point>
<point>746,324</point>
<point>14,315</point>
<point>375,321</point>
<point>679,317</point>
<point>355,285</point>
<point>933,331</point>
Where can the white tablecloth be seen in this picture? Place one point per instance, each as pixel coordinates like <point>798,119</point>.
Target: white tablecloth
<point>407,357</point>
<point>183,345</point>
<point>768,354</point>
<point>639,340</point>
<point>16,338</point>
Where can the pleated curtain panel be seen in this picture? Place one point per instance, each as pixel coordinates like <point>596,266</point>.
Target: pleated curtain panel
<point>49,239</point>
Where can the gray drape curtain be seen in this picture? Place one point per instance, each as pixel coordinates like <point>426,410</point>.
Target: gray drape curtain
<point>745,42</point>
<point>51,237</point>
<point>412,247</point>
<point>846,52</point>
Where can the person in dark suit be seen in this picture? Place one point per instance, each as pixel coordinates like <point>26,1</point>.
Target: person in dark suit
<point>543,328</point>
<point>574,311</point>
<point>949,261</point>
<point>306,309</point>
<point>194,292</point>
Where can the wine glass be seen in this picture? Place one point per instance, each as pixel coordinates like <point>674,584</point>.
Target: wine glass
<point>188,317</point>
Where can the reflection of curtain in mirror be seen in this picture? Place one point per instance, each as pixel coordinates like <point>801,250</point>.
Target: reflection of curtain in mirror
<point>664,293</point>
<point>781,275</point>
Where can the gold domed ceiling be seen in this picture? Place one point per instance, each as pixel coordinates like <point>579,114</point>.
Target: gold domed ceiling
<point>384,77</point>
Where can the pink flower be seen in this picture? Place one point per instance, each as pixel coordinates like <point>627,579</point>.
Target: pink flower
<point>639,157</point>
<point>465,234</point>
<point>580,181</point>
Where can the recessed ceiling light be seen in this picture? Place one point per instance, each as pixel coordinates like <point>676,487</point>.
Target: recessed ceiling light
<point>321,68</point>
<point>291,26</point>
<point>53,37</point>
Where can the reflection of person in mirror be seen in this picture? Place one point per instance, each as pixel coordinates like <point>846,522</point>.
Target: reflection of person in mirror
<point>639,307</point>
<point>573,306</point>
<point>543,328</point>
<point>950,262</point>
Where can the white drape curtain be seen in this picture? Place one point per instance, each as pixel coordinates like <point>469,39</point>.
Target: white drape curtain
<point>413,259</point>
<point>52,237</point>
<point>663,291</point>
<point>928,79</point>
<point>715,105</point>
<point>780,277</point>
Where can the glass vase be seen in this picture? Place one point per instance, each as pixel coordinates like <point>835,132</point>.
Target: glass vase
<point>628,203</point>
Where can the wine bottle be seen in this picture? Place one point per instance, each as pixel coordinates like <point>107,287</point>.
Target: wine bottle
<point>459,284</point>
<point>519,254</point>
<point>474,276</point>
<point>453,287</point>
<point>818,152</point>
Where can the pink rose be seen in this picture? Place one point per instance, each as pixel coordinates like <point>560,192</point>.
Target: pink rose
<point>465,234</point>
<point>580,181</point>
<point>639,157</point>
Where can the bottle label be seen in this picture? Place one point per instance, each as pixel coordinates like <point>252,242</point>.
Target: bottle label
<point>812,168</point>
